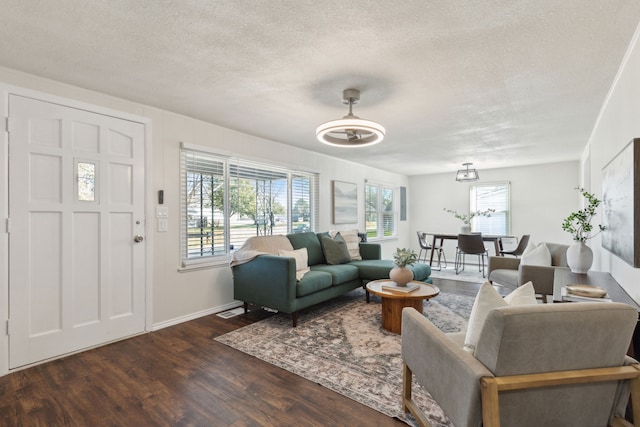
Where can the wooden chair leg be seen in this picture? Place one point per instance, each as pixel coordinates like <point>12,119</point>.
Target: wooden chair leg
<point>409,405</point>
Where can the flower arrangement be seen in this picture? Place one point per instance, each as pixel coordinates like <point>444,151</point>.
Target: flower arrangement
<point>404,257</point>
<point>579,223</point>
<point>466,218</point>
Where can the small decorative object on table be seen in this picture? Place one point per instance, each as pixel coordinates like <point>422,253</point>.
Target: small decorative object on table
<point>579,255</point>
<point>400,273</point>
<point>579,292</point>
<point>466,218</point>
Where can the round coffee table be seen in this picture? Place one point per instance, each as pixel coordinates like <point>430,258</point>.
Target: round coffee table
<point>393,302</point>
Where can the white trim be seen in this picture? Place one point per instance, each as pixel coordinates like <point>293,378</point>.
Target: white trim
<point>5,91</point>
<point>196,315</point>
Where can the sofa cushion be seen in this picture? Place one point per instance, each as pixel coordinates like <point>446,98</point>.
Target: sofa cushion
<point>536,255</point>
<point>374,269</point>
<point>486,300</point>
<point>353,242</point>
<point>312,282</point>
<point>302,260</point>
<point>335,250</point>
<point>340,274</point>
<point>310,241</point>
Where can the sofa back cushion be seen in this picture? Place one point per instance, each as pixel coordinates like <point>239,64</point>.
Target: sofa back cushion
<point>310,241</point>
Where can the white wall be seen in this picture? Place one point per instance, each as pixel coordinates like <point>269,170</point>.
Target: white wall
<point>541,197</point>
<point>618,124</point>
<point>179,296</point>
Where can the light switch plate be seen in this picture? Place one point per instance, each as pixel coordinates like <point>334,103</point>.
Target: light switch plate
<point>162,212</point>
<point>163,225</point>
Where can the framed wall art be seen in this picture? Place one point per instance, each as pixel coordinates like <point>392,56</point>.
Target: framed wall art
<point>620,204</point>
<point>345,202</point>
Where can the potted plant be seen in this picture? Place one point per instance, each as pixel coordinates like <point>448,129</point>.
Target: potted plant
<point>466,218</point>
<point>578,224</point>
<point>400,274</point>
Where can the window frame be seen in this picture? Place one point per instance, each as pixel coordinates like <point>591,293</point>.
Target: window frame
<point>231,165</point>
<point>380,210</point>
<point>473,205</point>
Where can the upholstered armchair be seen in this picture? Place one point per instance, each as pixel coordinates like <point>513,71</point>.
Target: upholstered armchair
<point>511,272</point>
<point>534,365</point>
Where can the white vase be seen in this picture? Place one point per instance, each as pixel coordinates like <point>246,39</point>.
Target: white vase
<point>401,275</point>
<point>579,257</point>
<point>465,229</point>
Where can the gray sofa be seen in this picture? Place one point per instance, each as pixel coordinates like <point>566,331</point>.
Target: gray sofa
<point>270,280</point>
<point>510,272</point>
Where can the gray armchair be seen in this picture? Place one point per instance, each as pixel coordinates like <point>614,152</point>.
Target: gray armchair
<point>570,369</point>
<point>511,273</point>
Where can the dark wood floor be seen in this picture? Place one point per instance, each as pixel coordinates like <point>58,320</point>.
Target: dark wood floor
<point>179,376</point>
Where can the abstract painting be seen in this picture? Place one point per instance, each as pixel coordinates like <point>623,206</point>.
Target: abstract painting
<point>345,202</point>
<point>620,206</point>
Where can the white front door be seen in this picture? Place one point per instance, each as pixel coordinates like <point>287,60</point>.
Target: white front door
<point>76,230</point>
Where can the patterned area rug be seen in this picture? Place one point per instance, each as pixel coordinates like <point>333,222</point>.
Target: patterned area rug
<point>341,345</point>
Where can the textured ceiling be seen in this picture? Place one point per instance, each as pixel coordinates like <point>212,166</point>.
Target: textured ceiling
<point>493,82</point>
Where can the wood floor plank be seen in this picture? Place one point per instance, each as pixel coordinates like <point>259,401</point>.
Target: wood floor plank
<point>179,376</point>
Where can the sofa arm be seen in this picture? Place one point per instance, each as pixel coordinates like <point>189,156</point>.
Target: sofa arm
<point>267,280</point>
<point>370,251</point>
<point>540,276</point>
<point>502,263</point>
<point>450,374</point>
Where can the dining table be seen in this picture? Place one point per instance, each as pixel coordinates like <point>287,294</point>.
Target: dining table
<point>495,238</point>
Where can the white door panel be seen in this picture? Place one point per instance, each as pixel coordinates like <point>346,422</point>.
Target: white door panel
<point>76,201</point>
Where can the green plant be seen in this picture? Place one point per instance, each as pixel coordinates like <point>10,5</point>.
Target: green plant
<point>404,257</point>
<point>579,223</point>
<point>466,218</point>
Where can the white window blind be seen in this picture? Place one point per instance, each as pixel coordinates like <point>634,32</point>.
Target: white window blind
<point>491,196</point>
<point>227,200</point>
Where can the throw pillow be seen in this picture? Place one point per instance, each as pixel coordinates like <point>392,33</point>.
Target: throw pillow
<point>302,261</point>
<point>488,299</point>
<point>536,255</point>
<point>335,250</point>
<point>353,242</point>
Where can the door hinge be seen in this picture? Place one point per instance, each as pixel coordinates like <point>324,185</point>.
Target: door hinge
<point>8,225</point>
<point>6,124</point>
<point>8,326</point>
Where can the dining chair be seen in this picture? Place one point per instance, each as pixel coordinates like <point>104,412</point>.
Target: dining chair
<point>426,247</point>
<point>519,250</point>
<point>471,244</point>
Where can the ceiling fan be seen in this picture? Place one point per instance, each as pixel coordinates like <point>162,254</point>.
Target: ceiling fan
<point>351,130</point>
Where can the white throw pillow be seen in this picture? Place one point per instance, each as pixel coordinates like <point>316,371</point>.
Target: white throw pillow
<point>353,242</point>
<point>488,299</point>
<point>302,260</point>
<point>536,255</point>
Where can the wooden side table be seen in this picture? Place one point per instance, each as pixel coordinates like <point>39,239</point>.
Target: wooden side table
<point>394,302</point>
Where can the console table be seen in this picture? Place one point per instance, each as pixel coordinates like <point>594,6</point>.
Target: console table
<point>564,276</point>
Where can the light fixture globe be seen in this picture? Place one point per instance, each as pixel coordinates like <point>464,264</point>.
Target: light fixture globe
<point>351,130</point>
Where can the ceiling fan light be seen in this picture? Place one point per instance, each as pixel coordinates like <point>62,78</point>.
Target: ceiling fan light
<point>350,131</point>
<point>374,132</point>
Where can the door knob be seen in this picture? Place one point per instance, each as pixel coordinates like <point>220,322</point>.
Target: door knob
<point>138,238</point>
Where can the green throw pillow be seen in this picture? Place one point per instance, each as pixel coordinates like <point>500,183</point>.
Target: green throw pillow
<point>335,250</point>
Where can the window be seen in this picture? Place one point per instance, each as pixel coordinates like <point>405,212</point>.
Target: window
<point>380,218</point>
<point>227,200</point>
<point>491,196</point>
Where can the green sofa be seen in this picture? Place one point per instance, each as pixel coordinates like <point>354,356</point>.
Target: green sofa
<point>270,280</point>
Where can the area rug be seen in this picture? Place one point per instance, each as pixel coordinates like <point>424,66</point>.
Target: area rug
<point>469,274</point>
<point>340,345</point>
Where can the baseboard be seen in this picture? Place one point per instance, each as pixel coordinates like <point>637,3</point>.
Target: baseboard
<point>196,315</point>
